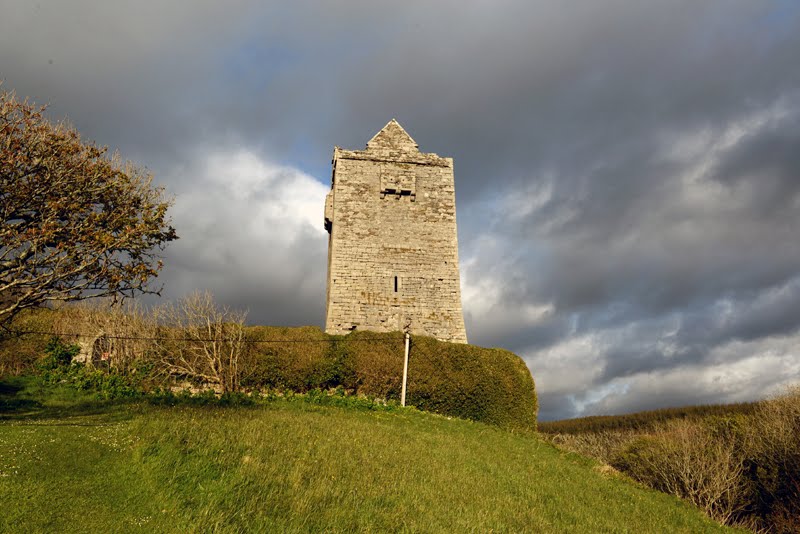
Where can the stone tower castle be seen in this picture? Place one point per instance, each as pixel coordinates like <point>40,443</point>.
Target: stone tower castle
<point>393,248</point>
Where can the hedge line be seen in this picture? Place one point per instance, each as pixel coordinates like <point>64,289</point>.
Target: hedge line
<point>489,385</point>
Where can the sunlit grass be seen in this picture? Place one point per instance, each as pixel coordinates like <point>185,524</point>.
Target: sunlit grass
<point>292,466</point>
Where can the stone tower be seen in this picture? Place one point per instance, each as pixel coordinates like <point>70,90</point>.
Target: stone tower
<point>393,248</point>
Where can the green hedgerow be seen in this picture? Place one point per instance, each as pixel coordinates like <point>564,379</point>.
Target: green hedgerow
<point>488,385</point>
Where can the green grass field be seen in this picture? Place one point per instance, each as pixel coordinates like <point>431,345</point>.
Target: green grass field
<point>70,464</point>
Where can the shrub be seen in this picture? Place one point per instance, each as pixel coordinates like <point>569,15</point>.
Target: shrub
<point>200,340</point>
<point>337,368</point>
<point>103,384</point>
<point>741,465</point>
<point>121,336</point>
<point>58,354</point>
<point>693,461</point>
<point>646,421</point>
<point>489,385</point>
<point>340,399</point>
<point>57,368</point>
<point>287,358</point>
<point>773,462</point>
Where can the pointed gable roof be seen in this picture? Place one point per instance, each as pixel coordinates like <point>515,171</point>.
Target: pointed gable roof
<point>393,137</point>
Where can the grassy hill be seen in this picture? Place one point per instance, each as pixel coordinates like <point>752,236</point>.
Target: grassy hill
<point>70,464</point>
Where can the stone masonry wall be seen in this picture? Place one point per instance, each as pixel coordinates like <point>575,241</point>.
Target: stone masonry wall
<point>393,249</point>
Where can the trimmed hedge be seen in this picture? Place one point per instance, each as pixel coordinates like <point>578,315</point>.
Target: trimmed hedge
<point>296,359</point>
<point>489,385</point>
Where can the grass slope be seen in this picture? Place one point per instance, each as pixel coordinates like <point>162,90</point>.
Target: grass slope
<point>71,465</point>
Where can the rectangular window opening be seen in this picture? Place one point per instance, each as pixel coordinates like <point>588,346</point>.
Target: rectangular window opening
<point>395,284</point>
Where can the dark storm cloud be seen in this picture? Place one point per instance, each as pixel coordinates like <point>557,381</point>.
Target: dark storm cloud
<point>627,172</point>
<point>769,159</point>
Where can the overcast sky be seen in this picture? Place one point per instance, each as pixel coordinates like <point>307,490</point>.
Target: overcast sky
<point>627,172</point>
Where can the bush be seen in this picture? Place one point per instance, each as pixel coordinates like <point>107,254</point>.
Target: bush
<point>339,399</point>
<point>296,359</point>
<point>378,363</point>
<point>604,445</point>
<point>104,384</point>
<point>57,368</point>
<point>741,466</point>
<point>773,463</point>
<point>119,336</point>
<point>58,354</point>
<point>643,422</point>
<point>692,461</point>
<point>489,385</point>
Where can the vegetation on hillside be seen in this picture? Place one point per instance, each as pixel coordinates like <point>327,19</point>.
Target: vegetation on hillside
<point>740,463</point>
<point>489,385</point>
<point>195,344</point>
<point>643,421</point>
<point>72,463</point>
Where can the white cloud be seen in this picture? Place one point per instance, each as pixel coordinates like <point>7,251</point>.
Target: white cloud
<point>737,372</point>
<point>248,228</point>
<point>277,203</point>
<point>489,311</point>
<point>569,366</point>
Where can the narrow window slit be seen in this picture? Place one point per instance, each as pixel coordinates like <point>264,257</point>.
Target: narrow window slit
<point>395,284</point>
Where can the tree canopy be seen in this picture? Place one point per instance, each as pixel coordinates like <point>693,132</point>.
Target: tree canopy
<point>75,222</point>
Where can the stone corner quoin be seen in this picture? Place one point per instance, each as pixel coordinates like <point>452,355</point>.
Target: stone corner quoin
<point>393,245</point>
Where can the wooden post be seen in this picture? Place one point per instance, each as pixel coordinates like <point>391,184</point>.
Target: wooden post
<point>405,372</point>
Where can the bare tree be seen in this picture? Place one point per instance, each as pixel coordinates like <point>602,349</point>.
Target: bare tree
<point>202,341</point>
<point>74,222</point>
